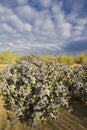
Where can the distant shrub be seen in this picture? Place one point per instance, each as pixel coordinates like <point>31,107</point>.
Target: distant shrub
<point>66,59</point>
<point>8,57</point>
<point>49,58</point>
<point>82,58</point>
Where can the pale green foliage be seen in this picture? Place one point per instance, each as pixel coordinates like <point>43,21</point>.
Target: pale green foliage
<point>8,57</point>
<point>66,59</point>
<point>49,58</point>
<point>82,58</point>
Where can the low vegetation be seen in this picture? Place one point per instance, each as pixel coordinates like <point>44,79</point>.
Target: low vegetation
<point>32,92</point>
<point>8,58</point>
<point>69,60</point>
<point>36,89</point>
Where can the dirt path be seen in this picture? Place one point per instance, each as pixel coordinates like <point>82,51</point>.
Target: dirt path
<point>77,120</point>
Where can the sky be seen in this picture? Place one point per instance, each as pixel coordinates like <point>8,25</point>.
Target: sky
<point>43,26</point>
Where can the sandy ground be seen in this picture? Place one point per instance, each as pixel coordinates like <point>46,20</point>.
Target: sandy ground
<point>2,67</point>
<point>76,120</point>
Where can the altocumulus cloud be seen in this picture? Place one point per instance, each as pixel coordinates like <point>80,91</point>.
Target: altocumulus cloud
<point>43,26</point>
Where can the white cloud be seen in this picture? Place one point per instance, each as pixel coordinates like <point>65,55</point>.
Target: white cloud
<point>26,13</point>
<point>6,28</point>
<point>18,24</point>
<point>22,2</point>
<point>9,17</point>
<point>24,27</point>
<point>45,27</point>
<point>11,44</point>
<point>45,3</point>
<point>64,27</point>
<point>82,21</point>
<point>41,21</point>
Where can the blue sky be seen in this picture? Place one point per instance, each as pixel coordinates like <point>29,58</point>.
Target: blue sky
<point>43,26</point>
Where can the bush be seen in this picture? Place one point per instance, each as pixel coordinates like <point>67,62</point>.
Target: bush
<point>36,90</point>
<point>32,90</point>
<point>82,58</point>
<point>66,59</point>
<point>76,80</point>
<point>8,57</point>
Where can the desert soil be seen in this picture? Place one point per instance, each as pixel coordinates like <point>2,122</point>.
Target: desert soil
<point>3,66</point>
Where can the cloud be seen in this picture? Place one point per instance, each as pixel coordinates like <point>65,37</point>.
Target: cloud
<point>45,3</point>
<point>63,27</point>
<point>22,2</point>
<point>42,26</point>
<point>10,19</point>
<point>6,28</point>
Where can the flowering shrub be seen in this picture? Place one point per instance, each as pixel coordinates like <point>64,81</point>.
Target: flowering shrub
<point>36,90</point>
<point>32,89</point>
<point>77,83</point>
<point>75,78</point>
